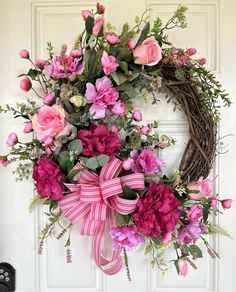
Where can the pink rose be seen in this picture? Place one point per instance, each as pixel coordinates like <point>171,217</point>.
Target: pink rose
<point>127,163</point>
<point>12,139</point>
<point>76,53</point>
<point>191,51</point>
<point>100,8</point>
<point>200,189</point>
<point>119,108</point>
<point>98,26</point>
<point>25,84</point>
<point>202,61</point>
<point>24,54</point>
<point>112,39</point>
<point>226,204</point>
<point>86,14</point>
<point>131,43</point>
<point>50,122</point>
<point>108,63</point>
<point>48,98</point>
<point>145,130</point>
<point>40,63</point>
<point>148,53</point>
<point>182,266</point>
<point>28,127</point>
<point>195,212</point>
<point>137,115</point>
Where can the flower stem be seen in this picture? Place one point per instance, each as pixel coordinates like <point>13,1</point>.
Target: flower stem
<point>126,264</point>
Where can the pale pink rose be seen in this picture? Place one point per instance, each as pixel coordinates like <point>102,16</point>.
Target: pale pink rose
<point>24,54</point>
<point>128,163</point>
<point>100,8</point>
<point>108,63</point>
<point>145,130</point>
<point>28,127</point>
<point>76,53</point>
<point>202,61</point>
<point>191,51</point>
<point>183,267</point>
<point>50,122</point>
<point>195,212</point>
<point>25,84</point>
<point>137,115</point>
<point>119,108</point>
<point>148,53</point>
<point>12,139</point>
<point>48,98</point>
<point>112,39</point>
<point>200,189</point>
<point>131,43</point>
<point>226,204</point>
<point>87,13</point>
<point>167,237</point>
<point>40,63</point>
<point>98,26</point>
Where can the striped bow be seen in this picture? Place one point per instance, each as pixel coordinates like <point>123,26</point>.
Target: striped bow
<point>95,199</point>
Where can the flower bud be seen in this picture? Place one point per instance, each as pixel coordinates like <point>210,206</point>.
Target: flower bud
<point>48,98</point>
<point>213,203</point>
<point>76,53</point>
<point>145,130</point>
<point>119,108</point>
<point>24,54</point>
<point>12,139</point>
<point>86,14</point>
<point>28,127</point>
<point>40,63</point>
<point>3,159</point>
<point>202,61</point>
<point>226,204</point>
<point>25,84</point>
<point>131,43</point>
<point>100,8</point>
<point>137,115</point>
<point>191,51</point>
<point>127,163</point>
<point>182,266</point>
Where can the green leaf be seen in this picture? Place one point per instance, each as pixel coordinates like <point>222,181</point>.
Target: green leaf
<point>195,251</point>
<point>72,174</point>
<point>206,209</point>
<point>33,73</point>
<point>65,162</point>
<point>102,159</point>
<point>147,249</point>
<point>124,66</point>
<point>75,146</point>
<point>214,228</point>
<point>63,139</point>
<point>118,77</point>
<point>122,219</point>
<point>34,202</point>
<point>144,33</point>
<point>53,205</point>
<point>89,23</point>
<point>92,163</point>
<point>152,178</point>
<point>180,75</point>
<point>128,193</point>
<point>177,266</point>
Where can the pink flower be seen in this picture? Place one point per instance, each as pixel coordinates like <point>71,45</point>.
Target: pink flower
<point>191,232</point>
<point>202,61</point>
<point>213,202</point>
<point>24,54</point>
<point>131,43</point>
<point>157,211</point>
<point>145,130</point>
<point>100,8</point>
<point>86,14</point>
<point>195,212</point>
<point>125,236</point>
<point>167,237</point>
<point>226,204</point>
<point>148,53</point>
<point>119,108</point>
<point>128,163</point>
<point>191,51</point>
<point>179,62</point>
<point>48,177</point>
<point>112,39</point>
<point>175,51</point>
<point>99,140</point>
<point>64,66</point>
<point>50,122</point>
<point>12,139</point>
<point>76,53</point>
<point>98,26</point>
<point>3,160</point>
<point>102,95</point>
<point>25,84</point>
<point>165,60</point>
<point>48,98</point>
<point>40,63</point>
<point>182,267</point>
<point>137,115</point>
<point>146,162</point>
<point>28,127</point>
<point>108,63</point>
<point>200,189</point>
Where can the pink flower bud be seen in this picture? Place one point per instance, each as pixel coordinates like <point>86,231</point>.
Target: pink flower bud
<point>195,212</point>
<point>145,130</point>
<point>226,204</point>
<point>183,267</point>
<point>191,51</point>
<point>165,60</point>
<point>137,115</point>
<point>24,54</point>
<point>127,163</point>
<point>202,61</point>
<point>213,203</point>
<point>12,139</point>
<point>25,84</point>
<point>100,8</point>
<point>86,14</point>
<point>28,127</point>
<point>3,159</point>
<point>132,43</point>
<point>119,108</point>
<point>76,53</point>
<point>40,63</point>
<point>175,51</point>
<point>179,62</point>
<point>167,237</point>
<point>112,39</point>
<point>48,98</point>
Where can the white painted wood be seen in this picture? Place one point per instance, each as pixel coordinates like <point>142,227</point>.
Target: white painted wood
<point>30,24</point>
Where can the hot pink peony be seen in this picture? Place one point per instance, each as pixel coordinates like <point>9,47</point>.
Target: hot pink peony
<point>64,66</point>
<point>99,140</point>
<point>157,211</point>
<point>50,122</point>
<point>102,95</point>
<point>48,177</point>
<point>108,63</point>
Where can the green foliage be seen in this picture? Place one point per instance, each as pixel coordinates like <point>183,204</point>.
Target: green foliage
<point>144,33</point>
<point>216,229</point>
<point>65,162</point>
<point>34,202</point>
<point>98,161</point>
<point>89,23</point>
<point>128,193</point>
<point>157,24</point>
<point>75,146</point>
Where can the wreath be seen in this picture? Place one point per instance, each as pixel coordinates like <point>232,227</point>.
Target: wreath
<point>95,160</point>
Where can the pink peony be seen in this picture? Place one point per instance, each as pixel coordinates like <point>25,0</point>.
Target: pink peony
<point>131,43</point>
<point>137,115</point>
<point>87,13</point>
<point>119,108</point>
<point>64,66</point>
<point>202,61</point>
<point>50,122</point>
<point>99,140</point>
<point>76,53</point>
<point>146,162</point>
<point>102,95</point>
<point>157,211</point>
<point>28,127</point>
<point>109,64</point>
<point>48,98</point>
<point>98,26</point>
<point>48,177</point>
<point>125,236</point>
<point>40,63</point>
<point>182,267</point>
<point>200,189</point>
<point>12,139</point>
<point>24,54</point>
<point>148,53</point>
<point>100,8</point>
<point>226,204</point>
<point>112,39</point>
<point>195,212</point>
<point>25,84</point>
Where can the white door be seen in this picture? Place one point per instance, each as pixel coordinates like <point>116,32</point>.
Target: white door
<point>30,24</point>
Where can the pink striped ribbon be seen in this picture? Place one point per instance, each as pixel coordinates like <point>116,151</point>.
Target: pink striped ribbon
<point>95,199</point>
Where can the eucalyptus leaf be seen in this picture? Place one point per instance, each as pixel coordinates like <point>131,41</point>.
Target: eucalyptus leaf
<point>75,146</point>
<point>92,163</point>
<point>102,159</point>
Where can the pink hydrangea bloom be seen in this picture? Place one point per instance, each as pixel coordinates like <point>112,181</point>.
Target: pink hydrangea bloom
<point>109,64</point>
<point>125,236</point>
<point>102,95</point>
<point>64,66</point>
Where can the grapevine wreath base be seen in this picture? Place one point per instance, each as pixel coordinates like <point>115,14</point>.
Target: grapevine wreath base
<point>92,157</point>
